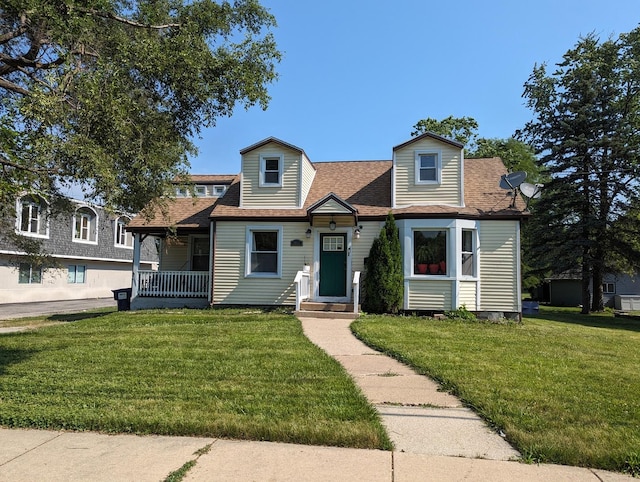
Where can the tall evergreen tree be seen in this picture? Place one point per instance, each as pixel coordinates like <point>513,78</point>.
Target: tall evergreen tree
<point>383,284</point>
<point>586,128</point>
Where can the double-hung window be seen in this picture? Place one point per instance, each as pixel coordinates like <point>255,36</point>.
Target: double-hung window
<point>264,251</point>
<point>427,166</point>
<point>85,226</point>
<point>608,288</point>
<point>32,217</point>
<point>123,238</point>
<point>271,171</point>
<point>468,262</point>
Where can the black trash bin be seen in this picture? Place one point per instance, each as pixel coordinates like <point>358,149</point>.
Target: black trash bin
<point>123,297</point>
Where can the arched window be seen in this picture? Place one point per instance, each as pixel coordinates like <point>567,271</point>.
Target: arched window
<point>123,239</point>
<point>85,225</point>
<point>32,216</point>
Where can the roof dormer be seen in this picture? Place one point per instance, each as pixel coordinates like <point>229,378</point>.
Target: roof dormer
<point>275,174</point>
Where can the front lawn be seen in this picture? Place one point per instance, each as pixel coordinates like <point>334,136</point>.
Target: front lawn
<point>220,373</point>
<point>565,388</point>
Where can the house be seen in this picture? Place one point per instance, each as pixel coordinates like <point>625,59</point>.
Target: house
<point>620,291</point>
<point>287,230</point>
<point>92,250</point>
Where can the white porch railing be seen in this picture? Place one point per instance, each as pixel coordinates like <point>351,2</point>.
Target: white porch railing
<point>302,287</point>
<point>173,284</point>
<point>356,291</point>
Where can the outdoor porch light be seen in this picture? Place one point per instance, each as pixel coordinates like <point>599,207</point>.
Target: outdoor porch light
<point>308,233</point>
<point>332,224</point>
<point>356,233</point>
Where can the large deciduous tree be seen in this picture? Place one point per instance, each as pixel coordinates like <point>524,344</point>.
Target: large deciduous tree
<point>110,94</point>
<point>462,129</point>
<point>586,127</point>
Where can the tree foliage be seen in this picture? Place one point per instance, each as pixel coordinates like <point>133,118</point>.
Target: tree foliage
<point>110,94</point>
<point>383,284</point>
<point>586,128</point>
<point>462,129</point>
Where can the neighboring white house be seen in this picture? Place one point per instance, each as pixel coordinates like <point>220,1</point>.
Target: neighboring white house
<point>287,229</point>
<point>92,249</point>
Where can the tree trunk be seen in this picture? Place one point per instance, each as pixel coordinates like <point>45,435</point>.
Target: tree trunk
<point>597,303</point>
<point>586,280</point>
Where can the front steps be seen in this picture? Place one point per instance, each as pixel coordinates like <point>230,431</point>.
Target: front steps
<point>315,309</point>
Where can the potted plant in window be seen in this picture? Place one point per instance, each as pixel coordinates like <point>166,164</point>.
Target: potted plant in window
<point>424,256</point>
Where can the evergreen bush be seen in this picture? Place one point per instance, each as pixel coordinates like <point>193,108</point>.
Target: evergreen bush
<point>383,283</point>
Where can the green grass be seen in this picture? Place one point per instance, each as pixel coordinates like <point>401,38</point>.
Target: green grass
<point>218,373</point>
<point>565,388</point>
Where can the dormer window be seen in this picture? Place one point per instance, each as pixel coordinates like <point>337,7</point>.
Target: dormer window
<point>218,190</point>
<point>123,239</point>
<point>271,171</point>
<point>428,167</point>
<point>201,191</point>
<point>85,226</point>
<point>32,217</point>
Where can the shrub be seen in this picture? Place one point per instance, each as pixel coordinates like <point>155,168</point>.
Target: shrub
<point>383,283</point>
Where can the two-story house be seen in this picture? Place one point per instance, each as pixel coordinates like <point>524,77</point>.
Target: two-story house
<point>92,251</point>
<point>288,229</point>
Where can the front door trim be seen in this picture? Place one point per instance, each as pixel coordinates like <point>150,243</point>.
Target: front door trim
<point>316,265</point>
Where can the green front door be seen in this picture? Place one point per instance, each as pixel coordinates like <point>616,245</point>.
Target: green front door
<point>333,265</point>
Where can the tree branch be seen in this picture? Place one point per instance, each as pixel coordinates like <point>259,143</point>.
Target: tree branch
<point>8,85</point>
<point>126,21</point>
<point>5,162</point>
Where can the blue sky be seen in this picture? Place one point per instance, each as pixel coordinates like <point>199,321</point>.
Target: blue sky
<point>356,75</point>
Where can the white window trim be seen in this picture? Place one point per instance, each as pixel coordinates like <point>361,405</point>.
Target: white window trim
<point>128,235</point>
<point>247,255</point>
<point>438,155</point>
<point>222,189</point>
<point>200,190</point>
<point>73,226</point>
<point>449,234</point>
<point>474,252</point>
<point>42,217</point>
<point>263,165</point>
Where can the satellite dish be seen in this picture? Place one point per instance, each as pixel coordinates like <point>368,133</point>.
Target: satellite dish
<point>532,191</point>
<point>513,180</point>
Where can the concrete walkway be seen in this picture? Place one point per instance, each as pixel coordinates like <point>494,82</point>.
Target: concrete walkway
<point>436,440</point>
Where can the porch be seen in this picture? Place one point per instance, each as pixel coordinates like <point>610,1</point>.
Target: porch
<point>306,307</point>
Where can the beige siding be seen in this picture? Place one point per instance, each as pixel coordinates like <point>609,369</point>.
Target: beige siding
<point>360,247</point>
<point>499,272</point>
<point>230,284</point>
<point>408,192</point>
<point>286,196</point>
<point>175,254</point>
<point>468,297</point>
<point>100,278</point>
<point>308,174</point>
<point>332,206</point>
<point>430,295</point>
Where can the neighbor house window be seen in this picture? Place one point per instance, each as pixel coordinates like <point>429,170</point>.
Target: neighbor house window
<point>264,247</point>
<point>124,239</point>
<point>181,192</point>
<point>271,171</point>
<point>32,216</point>
<point>608,288</point>
<point>427,167</point>
<point>218,190</point>
<point>76,273</point>
<point>468,264</point>
<point>430,252</point>
<point>201,191</point>
<point>28,274</point>
<point>85,225</point>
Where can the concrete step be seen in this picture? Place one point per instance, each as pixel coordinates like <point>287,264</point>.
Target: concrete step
<point>321,306</point>
<point>334,315</point>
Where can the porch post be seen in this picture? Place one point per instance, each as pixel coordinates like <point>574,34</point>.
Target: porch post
<point>136,265</point>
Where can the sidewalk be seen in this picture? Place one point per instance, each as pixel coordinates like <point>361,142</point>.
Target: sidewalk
<point>441,441</point>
